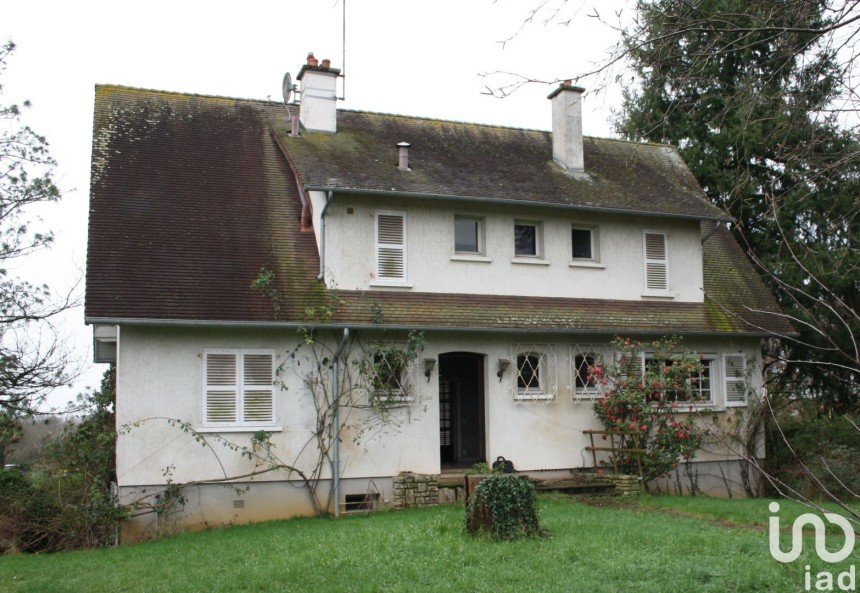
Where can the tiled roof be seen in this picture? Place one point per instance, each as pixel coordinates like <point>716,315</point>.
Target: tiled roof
<point>490,162</point>
<point>191,197</point>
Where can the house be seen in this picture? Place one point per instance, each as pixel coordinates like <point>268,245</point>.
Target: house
<point>221,229</point>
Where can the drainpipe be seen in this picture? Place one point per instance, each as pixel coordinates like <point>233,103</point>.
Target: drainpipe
<point>328,197</point>
<point>335,462</point>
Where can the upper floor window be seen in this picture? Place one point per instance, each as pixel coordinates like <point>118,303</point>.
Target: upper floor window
<point>390,234</point>
<point>468,233</point>
<point>527,239</point>
<point>656,252</point>
<point>239,390</point>
<point>584,243</point>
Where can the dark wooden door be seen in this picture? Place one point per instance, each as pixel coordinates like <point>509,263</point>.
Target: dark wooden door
<point>461,409</point>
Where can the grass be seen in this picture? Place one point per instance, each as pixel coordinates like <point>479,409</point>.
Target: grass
<point>748,512</point>
<point>594,549</point>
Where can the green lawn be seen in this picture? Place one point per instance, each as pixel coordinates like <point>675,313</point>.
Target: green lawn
<point>740,512</point>
<point>590,549</point>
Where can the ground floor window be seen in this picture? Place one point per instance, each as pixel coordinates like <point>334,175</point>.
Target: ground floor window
<point>700,385</point>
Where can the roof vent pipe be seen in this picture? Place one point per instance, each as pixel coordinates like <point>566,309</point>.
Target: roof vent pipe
<point>403,161</point>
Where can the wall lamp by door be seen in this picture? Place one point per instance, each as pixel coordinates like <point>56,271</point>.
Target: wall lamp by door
<point>429,365</point>
<point>503,366</point>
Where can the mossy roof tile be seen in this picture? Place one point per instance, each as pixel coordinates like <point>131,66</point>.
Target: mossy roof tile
<point>191,197</point>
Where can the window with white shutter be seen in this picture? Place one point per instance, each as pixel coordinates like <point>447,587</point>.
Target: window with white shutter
<point>656,252</point>
<point>391,246</point>
<point>735,379</point>
<point>240,389</point>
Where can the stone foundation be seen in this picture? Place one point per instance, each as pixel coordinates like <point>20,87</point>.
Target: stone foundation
<point>415,490</point>
<point>625,485</point>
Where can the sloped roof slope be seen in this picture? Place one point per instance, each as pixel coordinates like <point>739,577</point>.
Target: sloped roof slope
<point>497,163</point>
<point>191,197</point>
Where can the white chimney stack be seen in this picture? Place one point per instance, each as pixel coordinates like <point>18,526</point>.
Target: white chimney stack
<point>318,107</point>
<point>567,126</point>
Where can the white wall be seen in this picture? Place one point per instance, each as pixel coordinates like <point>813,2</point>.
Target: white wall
<point>350,257</point>
<point>160,376</point>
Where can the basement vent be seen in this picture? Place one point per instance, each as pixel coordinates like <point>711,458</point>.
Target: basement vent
<point>238,504</point>
<point>355,503</point>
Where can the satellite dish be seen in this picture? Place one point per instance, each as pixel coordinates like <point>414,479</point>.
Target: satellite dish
<point>287,87</point>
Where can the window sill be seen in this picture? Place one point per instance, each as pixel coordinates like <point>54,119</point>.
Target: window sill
<point>587,264</point>
<point>536,396</point>
<point>234,428</point>
<point>592,394</point>
<point>388,284</point>
<point>532,261</point>
<point>473,257</point>
<point>657,295</point>
<point>690,408</point>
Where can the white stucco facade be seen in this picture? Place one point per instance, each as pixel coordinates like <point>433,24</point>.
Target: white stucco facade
<point>160,376</point>
<point>617,271</point>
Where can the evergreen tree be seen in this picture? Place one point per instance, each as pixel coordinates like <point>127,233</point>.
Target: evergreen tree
<point>745,90</point>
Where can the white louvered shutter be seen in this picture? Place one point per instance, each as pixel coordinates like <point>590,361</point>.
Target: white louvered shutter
<point>221,389</point>
<point>390,247</point>
<point>656,262</point>
<point>258,394</point>
<point>735,376</point>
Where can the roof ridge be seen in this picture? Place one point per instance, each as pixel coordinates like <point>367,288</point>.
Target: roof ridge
<point>497,126</point>
<point>186,94</point>
<point>370,112</point>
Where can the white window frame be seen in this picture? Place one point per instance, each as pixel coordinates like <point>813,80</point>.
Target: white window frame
<point>601,355</point>
<point>741,379</point>
<point>595,247</point>
<point>698,404</point>
<point>530,392</point>
<point>480,238</point>
<point>538,226</point>
<point>240,425</point>
<point>645,261</point>
<point>378,281</point>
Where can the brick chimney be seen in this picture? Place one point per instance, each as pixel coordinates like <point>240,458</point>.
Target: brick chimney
<point>567,126</point>
<point>318,106</point>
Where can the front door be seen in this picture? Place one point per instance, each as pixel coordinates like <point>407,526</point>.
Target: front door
<point>461,409</point>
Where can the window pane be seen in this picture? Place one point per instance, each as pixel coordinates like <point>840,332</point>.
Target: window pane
<point>525,239</point>
<point>466,235</point>
<point>528,372</point>
<point>583,363</point>
<point>581,240</point>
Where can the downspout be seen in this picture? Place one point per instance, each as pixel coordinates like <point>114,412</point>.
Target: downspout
<point>335,389</point>
<point>328,197</point>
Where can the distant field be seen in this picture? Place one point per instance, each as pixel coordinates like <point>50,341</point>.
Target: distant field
<point>590,549</point>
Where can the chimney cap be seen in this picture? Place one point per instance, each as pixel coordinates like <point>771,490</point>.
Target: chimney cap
<point>403,145</point>
<point>566,85</point>
<point>314,65</point>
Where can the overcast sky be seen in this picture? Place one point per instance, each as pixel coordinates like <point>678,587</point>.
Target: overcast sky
<point>418,58</point>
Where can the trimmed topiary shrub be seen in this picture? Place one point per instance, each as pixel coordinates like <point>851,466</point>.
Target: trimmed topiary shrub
<point>504,507</point>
